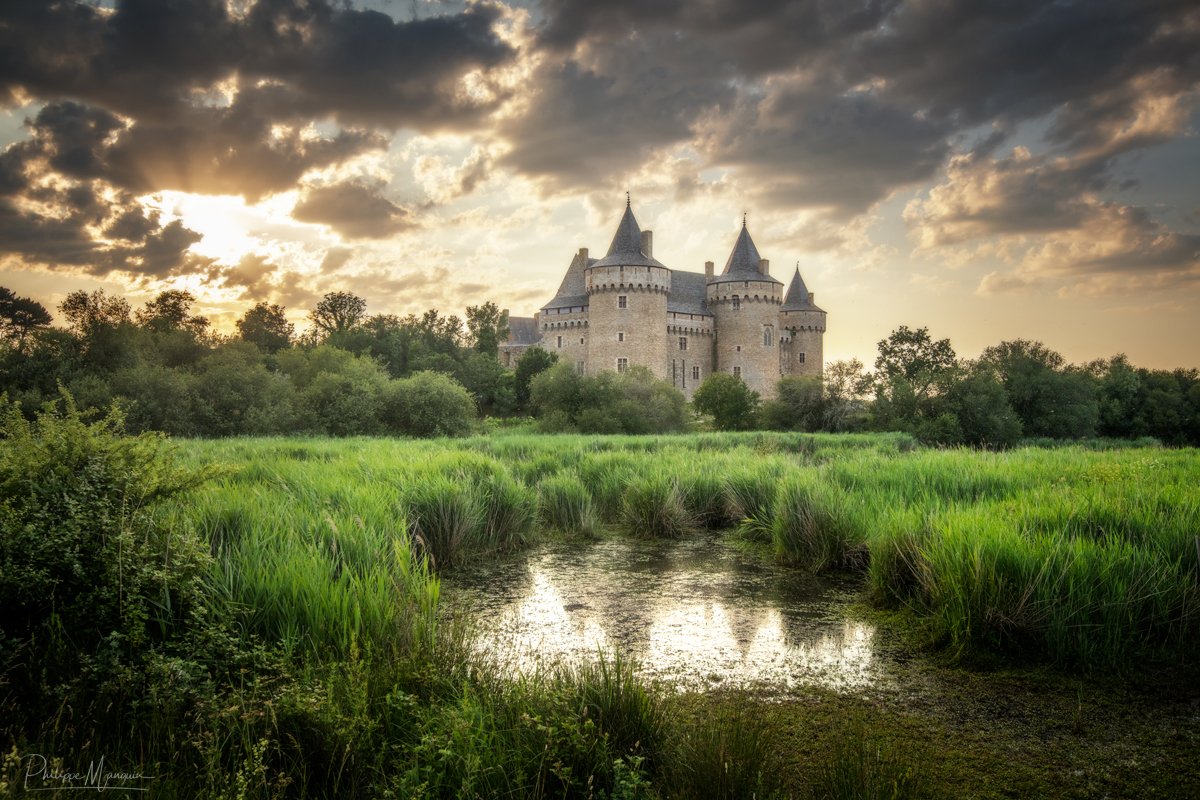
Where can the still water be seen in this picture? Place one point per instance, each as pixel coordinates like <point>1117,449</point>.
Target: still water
<point>698,612</point>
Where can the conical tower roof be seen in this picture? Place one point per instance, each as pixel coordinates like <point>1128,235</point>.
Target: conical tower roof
<point>797,297</point>
<point>626,247</point>
<point>573,289</point>
<point>743,261</point>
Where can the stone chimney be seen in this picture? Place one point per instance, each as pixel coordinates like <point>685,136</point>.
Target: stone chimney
<point>764,266</point>
<point>583,255</point>
<point>708,270</point>
<point>812,299</point>
<point>648,243</point>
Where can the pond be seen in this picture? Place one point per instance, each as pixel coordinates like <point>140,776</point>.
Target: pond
<point>698,612</point>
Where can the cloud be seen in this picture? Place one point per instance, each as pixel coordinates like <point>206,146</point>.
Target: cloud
<point>148,59</point>
<point>353,209</point>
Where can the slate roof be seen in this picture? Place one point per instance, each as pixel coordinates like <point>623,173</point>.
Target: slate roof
<point>742,264</point>
<point>798,298</point>
<point>687,295</point>
<point>572,292</point>
<point>626,247</point>
<point>523,330</point>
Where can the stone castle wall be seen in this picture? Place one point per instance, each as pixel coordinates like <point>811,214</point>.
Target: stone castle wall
<point>634,332</point>
<point>802,348</point>
<point>690,344</point>
<point>747,331</point>
<point>566,336</point>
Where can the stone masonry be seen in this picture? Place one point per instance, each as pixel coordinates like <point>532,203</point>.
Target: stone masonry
<point>628,309</point>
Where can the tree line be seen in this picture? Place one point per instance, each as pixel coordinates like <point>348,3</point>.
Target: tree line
<point>349,373</point>
<point>352,373</point>
<point>1017,390</point>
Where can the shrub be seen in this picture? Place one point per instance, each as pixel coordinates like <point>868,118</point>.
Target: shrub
<point>90,583</point>
<point>732,405</point>
<point>428,404</point>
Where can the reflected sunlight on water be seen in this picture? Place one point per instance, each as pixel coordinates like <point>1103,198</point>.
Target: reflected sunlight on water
<point>696,613</point>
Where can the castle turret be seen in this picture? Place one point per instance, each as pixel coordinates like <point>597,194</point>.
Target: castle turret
<point>803,327</point>
<point>745,301</point>
<point>627,303</point>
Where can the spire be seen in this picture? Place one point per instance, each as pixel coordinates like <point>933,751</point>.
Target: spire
<point>797,297</point>
<point>626,248</point>
<point>743,261</point>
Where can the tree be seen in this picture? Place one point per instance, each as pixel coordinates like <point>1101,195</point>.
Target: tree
<point>102,325</point>
<point>20,315</point>
<point>171,311</point>
<point>915,357</point>
<point>798,405</point>
<point>532,362</point>
<point>980,409</point>
<point>847,388</point>
<point>1049,399</point>
<point>266,327</point>
<point>728,400</point>
<point>338,312</point>
<point>487,327</point>
<point>85,312</point>
<point>428,404</point>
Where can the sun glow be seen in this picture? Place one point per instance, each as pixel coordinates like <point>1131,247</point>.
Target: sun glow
<point>231,228</point>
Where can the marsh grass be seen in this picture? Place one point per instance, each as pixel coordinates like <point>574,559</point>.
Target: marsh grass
<point>862,767</point>
<point>654,506</point>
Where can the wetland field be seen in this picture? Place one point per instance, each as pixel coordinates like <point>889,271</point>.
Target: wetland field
<point>704,615</point>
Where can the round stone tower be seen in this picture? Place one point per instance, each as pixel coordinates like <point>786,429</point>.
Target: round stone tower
<point>803,327</point>
<point>744,300</point>
<point>627,303</point>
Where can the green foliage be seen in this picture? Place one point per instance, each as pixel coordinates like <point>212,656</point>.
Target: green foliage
<point>90,583</point>
<point>533,361</point>
<point>799,405</point>
<point>266,327</point>
<point>633,402</point>
<point>732,405</point>
<point>337,313</point>
<point>427,404</point>
<point>487,327</point>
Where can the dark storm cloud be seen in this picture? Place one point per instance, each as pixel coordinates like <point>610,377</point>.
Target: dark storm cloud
<point>888,87</point>
<point>603,119</point>
<point>352,209</point>
<point>802,147</point>
<point>146,58</point>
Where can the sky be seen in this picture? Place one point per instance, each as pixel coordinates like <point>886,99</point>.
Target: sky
<point>989,169</point>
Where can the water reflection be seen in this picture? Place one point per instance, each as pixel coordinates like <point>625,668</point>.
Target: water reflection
<point>697,612</point>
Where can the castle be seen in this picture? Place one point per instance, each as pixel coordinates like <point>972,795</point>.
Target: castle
<point>628,309</point>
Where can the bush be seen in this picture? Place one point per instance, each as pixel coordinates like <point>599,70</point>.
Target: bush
<point>90,583</point>
<point>428,404</point>
<point>728,400</point>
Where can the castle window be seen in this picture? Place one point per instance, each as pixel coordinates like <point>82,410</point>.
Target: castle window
<point>560,341</point>
<point>683,343</point>
<point>620,336</point>
<point>737,372</point>
<point>695,373</point>
<point>800,357</point>
<point>739,348</point>
<point>768,336</point>
<point>622,301</point>
<point>579,367</point>
<point>737,303</point>
<point>581,340</point>
<point>622,365</point>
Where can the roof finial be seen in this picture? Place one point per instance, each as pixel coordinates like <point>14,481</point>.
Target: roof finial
<point>743,219</point>
<point>627,199</point>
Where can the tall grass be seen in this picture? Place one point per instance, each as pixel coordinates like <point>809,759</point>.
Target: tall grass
<point>1072,554</point>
